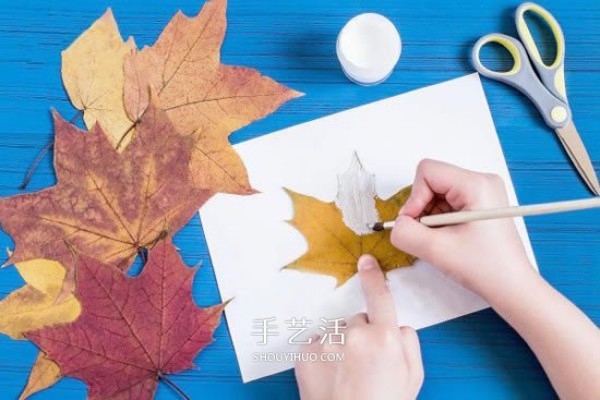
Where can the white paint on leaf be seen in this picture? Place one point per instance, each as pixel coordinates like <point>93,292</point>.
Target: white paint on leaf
<point>356,197</point>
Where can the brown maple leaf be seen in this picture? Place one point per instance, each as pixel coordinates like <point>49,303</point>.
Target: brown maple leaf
<point>132,331</point>
<point>203,97</point>
<point>105,204</point>
<point>337,233</point>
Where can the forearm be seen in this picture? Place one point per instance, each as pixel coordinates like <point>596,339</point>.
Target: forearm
<point>566,342</point>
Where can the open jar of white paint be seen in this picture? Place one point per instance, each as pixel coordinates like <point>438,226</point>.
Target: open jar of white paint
<point>368,48</point>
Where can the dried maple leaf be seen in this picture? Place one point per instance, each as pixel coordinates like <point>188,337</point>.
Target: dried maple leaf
<point>44,374</point>
<point>36,304</point>
<point>333,247</point>
<point>132,331</point>
<point>202,97</point>
<point>92,73</point>
<point>106,204</point>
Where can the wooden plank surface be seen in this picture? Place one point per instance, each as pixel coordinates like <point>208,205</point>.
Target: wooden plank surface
<point>477,356</point>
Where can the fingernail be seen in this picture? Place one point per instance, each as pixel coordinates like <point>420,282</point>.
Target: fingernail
<point>365,262</point>
<point>401,210</point>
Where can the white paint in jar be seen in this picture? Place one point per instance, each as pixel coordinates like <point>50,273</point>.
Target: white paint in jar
<point>368,48</point>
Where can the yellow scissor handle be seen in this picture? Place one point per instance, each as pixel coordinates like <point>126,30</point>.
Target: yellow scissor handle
<point>512,45</point>
<point>552,75</point>
<point>522,76</point>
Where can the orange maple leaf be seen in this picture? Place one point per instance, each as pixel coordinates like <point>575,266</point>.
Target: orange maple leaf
<point>203,97</point>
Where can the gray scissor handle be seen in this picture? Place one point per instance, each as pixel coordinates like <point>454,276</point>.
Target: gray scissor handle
<point>521,76</point>
<point>553,75</point>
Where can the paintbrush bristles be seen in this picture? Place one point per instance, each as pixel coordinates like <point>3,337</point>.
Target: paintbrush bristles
<point>376,226</point>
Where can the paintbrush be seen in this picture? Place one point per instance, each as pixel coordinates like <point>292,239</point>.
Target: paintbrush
<point>460,217</point>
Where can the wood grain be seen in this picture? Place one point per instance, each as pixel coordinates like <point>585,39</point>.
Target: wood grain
<point>477,356</point>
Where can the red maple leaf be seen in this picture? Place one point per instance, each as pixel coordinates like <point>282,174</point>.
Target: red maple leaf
<point>132,331</point>
<point>105,204</point>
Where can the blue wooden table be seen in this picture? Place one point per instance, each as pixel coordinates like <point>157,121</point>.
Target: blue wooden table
<point>477,356</point>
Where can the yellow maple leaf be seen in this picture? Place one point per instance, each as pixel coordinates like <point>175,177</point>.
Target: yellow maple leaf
<point>44,374</point>
<point>92,73</point>
<point>35,305</point>
<point>333,248</point>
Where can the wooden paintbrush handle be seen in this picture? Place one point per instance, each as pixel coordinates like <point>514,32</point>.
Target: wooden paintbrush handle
<point>460,217</point>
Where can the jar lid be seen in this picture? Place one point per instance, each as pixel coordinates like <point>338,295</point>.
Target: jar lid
<point>368,48</point>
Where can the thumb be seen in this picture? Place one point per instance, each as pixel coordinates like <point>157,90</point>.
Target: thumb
<point>412,237</point>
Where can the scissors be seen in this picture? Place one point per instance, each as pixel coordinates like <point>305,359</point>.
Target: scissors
<point>546,89</point>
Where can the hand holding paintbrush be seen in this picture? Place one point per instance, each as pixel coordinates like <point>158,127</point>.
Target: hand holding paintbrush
<point>491,260</point>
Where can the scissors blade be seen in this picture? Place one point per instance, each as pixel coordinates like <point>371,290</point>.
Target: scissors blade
<point>575,148</point>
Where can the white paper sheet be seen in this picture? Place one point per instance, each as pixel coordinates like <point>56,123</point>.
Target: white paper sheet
<point>249,240</point>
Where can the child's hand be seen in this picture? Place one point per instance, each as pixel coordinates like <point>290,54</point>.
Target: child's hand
<point>381,361</point>
<point>489,258</point>
<point>484,256</point>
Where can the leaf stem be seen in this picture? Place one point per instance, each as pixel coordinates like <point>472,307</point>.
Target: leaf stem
<point>76,117</point>
<point>173,386</point>
<point>41,154</point>
<point>142,252</point>
<point>127,132</point>
<point>130,129</point>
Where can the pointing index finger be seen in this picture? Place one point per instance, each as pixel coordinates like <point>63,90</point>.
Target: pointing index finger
<point>380,304</point>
